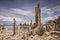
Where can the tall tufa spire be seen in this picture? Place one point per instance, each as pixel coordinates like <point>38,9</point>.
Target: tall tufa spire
<point>15,27</point>
<point>31,23</point>
<point>38,15</point>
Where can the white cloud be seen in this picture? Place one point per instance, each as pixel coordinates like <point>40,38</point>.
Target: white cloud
<point>13,11</point>
<point>56,8</point>
<point>2,18</point>
<point>20,11</point>
<point>8,15</point>
<point>47,10</point>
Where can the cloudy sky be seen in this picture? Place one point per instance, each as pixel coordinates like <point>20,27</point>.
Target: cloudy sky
<point>24,10</point>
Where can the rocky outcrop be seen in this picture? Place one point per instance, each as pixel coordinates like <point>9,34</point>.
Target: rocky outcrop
<point>53,25</point>
<point>58,24</point>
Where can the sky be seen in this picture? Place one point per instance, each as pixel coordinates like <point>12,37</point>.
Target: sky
<point>24,10</point>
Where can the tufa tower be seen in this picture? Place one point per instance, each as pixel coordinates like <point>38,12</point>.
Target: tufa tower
<point>15,27</point>
<point>38,24</point>
<point>38,15</point>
